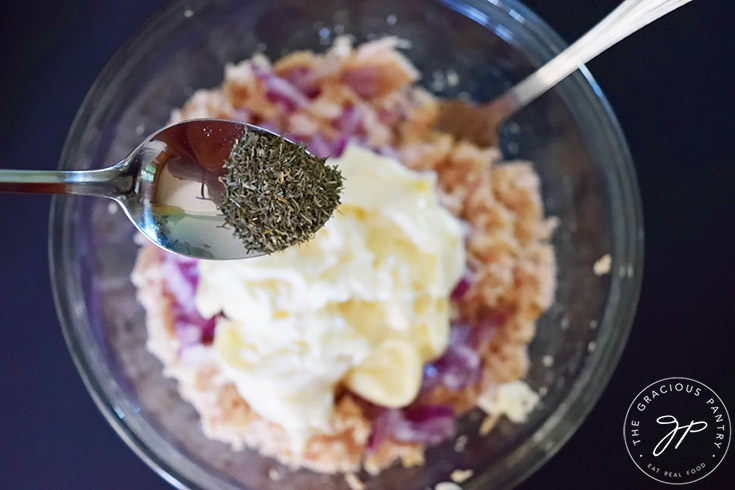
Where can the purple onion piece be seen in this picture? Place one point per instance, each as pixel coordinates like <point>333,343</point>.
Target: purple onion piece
<point>460,335</point>
<point>207,329</point>
<point>458,367</point>
<point>280,90</point>
<point>299,77</point>
<point>304,80</point>
<point>320,146</point>
<point>182,276</point>
<point>431,378</point>
<point>425,424</point>
<point>349,121</point>
<point>340,145</point>
<point>382,427</point>
<point>460,290</point>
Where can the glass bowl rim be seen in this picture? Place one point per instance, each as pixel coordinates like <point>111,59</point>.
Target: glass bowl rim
<point>618,313</point>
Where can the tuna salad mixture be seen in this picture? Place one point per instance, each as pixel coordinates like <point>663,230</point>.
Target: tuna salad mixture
<point>412,305</point>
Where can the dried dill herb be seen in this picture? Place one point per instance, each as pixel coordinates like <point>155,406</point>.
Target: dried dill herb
<point>276,194</point>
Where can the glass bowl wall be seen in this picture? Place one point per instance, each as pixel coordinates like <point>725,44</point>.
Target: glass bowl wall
<point>570,134</point>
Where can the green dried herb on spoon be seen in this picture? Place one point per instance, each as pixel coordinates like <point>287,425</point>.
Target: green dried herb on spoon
<point>276,194</point>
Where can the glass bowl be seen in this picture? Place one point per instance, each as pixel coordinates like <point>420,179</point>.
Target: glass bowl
<point>570,134</point>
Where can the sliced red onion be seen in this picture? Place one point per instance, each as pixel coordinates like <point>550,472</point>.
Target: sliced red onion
<point>302,78</point>
<point>458,367</point>
<point>340,145</point>
<point>193,329</point>
<point>425,424</point>
<point>349,121</point>
<point>381,427</point>
<point>460,335</point>
<point>461,288</point>
<point>362,81</point>
<point>280,91</point>
<point>430,379</point>
<point>320,146</point>
<point>298,77</point>
<point>182,277</point>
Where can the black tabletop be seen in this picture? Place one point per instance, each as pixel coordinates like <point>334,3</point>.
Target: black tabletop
<point>672,87</point>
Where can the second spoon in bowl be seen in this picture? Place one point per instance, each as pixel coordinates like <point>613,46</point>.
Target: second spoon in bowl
<point>480,125</point>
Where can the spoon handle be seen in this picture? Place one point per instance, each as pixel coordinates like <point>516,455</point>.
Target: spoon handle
<point>106,182</point>
<point>627,18</point>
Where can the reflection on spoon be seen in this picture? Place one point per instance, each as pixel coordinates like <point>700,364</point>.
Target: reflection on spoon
<point>169,187</point>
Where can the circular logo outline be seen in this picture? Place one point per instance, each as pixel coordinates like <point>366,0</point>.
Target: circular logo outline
<point>724,407</point>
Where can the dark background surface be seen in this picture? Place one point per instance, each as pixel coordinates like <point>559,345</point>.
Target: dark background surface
<point>672,86</point>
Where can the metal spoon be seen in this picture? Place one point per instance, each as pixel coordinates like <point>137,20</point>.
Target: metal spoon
<point>480,124</point>
<point>168,187</point>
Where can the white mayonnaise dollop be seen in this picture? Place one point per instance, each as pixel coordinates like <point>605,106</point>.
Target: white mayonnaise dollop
<point>365,302</point>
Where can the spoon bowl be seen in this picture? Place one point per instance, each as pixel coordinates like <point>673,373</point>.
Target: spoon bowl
<point>170,187</point>
<point>177,188</point>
